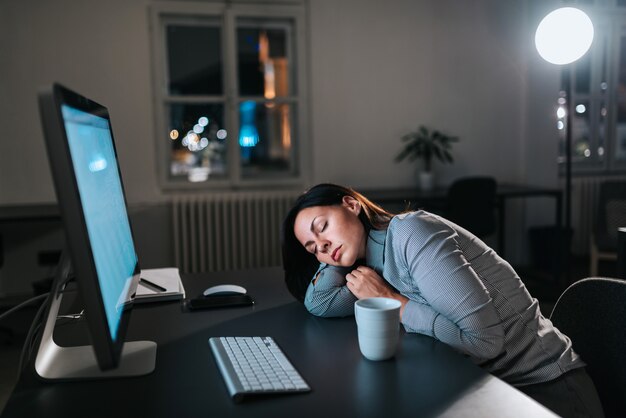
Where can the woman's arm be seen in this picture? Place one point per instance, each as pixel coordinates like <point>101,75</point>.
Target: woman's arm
<point>327,295</point>
<point>459,309</point>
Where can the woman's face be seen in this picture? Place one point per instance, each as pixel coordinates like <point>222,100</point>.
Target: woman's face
<point>333,234</point>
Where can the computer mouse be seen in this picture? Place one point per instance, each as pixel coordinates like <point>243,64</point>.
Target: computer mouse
<point>225,289</point>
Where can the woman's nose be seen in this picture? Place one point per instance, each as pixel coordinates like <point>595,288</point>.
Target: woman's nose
<point>324,245</point>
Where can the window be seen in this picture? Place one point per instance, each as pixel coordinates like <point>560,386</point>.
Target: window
<point>598,94</point>
<point>230,94</point>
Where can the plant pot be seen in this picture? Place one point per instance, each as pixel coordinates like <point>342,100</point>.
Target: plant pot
<point>427,180</point>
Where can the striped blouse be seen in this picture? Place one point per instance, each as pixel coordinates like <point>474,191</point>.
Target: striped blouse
<point>461,293</point>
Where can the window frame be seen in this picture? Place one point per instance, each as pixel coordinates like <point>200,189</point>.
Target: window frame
<point>619,35</point>
<point>162,13</point>
<point>604,63</point>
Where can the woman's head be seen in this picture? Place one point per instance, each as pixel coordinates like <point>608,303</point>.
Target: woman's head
<point>328,224</point>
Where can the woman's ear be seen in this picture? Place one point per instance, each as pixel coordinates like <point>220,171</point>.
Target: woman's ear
<point>351,204</point>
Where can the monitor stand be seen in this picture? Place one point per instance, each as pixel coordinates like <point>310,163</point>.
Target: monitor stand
<point>67,363</point>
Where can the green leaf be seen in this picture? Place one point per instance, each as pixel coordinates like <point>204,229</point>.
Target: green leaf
<point>437,153</point>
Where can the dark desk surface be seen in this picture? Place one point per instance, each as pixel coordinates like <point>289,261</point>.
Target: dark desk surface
<point>426,378</point>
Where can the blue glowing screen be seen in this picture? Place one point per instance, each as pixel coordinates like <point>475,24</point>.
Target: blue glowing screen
<point>104,208</point>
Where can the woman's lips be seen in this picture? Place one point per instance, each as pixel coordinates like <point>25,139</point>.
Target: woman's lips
<point>335,254</point>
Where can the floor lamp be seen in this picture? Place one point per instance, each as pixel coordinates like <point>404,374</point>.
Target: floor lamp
<point>564,36</point>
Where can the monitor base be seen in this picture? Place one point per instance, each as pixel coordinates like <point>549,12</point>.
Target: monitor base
<point>68,363</point>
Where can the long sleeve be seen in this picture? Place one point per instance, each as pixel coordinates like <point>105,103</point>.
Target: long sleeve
<point>328,295</point>
<point>457,308</point>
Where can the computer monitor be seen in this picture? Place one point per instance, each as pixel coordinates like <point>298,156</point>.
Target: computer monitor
<point>91,198</point>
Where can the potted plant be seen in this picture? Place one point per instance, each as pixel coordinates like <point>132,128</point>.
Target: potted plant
<point>425,144</point>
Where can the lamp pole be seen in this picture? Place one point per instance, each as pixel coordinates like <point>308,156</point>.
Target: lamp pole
<point>563,37</point>
<point>566,235</point>
<point>567,74</point>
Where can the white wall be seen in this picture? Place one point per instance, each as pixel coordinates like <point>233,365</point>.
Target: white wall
<point>100,48</point>
<point>379,69</point>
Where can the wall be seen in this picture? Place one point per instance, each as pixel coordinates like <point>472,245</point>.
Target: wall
<point>97,47</point>
<point>380,69</point>
<point>377,70</point>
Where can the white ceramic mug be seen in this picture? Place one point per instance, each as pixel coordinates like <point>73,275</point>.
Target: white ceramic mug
<point>378,323</point>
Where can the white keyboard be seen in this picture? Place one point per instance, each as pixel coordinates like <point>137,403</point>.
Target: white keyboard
<point>255,365</point>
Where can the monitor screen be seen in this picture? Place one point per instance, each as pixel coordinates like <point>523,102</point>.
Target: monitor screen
<point>102,198</point>
<point>90,193</point>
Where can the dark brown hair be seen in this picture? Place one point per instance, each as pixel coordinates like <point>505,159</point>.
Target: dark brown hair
<point>298,263</point>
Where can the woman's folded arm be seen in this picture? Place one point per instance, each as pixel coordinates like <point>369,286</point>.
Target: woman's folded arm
<point>327,295</point>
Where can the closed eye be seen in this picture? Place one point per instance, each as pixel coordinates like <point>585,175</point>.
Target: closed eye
<point>309,245</point>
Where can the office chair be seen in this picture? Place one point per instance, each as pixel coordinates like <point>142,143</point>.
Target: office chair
<point>471,203</point>
<point>610,214</point>
<point>591,313</point>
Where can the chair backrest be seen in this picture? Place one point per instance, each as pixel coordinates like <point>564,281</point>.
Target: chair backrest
<point>610,214</point>
<point>592,313</point>
<point>472,204</point>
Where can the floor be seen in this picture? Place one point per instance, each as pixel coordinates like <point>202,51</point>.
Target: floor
<point>13,330</point>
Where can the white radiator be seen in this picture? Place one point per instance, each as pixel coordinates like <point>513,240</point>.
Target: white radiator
<point>229,231</point>
<point>585,192</point>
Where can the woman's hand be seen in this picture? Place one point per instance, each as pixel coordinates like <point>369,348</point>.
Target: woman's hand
<point>364,283</point>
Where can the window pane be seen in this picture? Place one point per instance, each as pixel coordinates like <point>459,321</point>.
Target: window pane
<point>561,121</point>
<point>602,130</point>
<point>620,129</point>
<point>266,132</point>
<point>197,139</point>
<point>620,137</point>
<point>194,60</point>
<point>264,64</point>
<point>621,82</point>
<point>582,73</point>
<point>581,138</point>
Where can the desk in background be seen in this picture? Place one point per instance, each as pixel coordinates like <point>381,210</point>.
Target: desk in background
<point>31,212</point>
<point>413,198</point>
<point>426,378</point>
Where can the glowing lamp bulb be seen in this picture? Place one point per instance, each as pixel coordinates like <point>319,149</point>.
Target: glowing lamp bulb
<point>564,35</point>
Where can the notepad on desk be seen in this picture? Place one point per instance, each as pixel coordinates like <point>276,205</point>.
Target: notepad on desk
<point>159,285</point>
